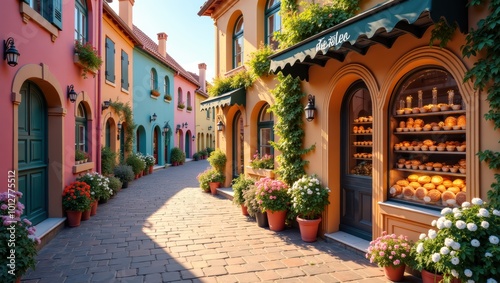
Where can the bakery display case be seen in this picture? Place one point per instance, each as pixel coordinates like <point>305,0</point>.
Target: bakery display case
<point>362,144</point>
<point>428,141</point>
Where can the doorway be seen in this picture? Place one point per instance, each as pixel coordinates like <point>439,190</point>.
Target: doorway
<point>238,146</point>
<point>356,162</point>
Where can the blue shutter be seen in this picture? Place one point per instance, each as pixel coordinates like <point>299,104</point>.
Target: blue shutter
<point>110,60</point>
<point>125,63</point>
<point>56,14</point>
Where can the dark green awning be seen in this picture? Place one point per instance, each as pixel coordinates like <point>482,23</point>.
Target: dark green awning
<point>237,96</point>
<point>381,24</point>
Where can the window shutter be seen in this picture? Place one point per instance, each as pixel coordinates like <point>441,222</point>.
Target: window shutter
<point>56,13</point>
<point>110,60</point>
<point>124,70</point>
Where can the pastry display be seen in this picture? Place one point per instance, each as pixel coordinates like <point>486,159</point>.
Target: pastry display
<point>362,151</point>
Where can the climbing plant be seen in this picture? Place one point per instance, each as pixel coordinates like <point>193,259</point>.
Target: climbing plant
<point>486,75</point>
<point>222,85</point>
<point>125,110</point>
<point>288,107</point>
<point>259,62</point>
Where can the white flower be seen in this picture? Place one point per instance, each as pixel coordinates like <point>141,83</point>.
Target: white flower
<point>471,281</point>
<point>455,260</point>
<point>440,224</point>
<point>475,243</point>
<point>491,280</point>
<point>487,254</point>
<point>477,201</point>
<point>446,210</point>
<point>460,224</point>
<point>448,242</point>
<point>455,246</point>
<point>496,212</point>
<point>483,212</point>
<point>448,223</point>
<point>453,253</point>
<point>472,227</point>
<point>433,223</point>
<point>465,204</point>
<point>436,257</point>
<point>420,248</point>
<point>485,224</point>
<point>456,209</point>
<point>454,273</point>
<point>422,236</point>
<point>457,215</point>
<point>468,272</point>
<point>444,251</point>
<point>309,192</point>
<point>493,240</point>
<point>432,234</point>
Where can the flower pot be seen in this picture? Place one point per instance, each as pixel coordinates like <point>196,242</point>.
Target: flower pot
<point>395,273</point>
<point>429,277</point>
<point>151,169</point>
<point>175,163</point>
<point>93,208</point>
<point>136,176</point>
<point>261,218</point>
<point>244,210</point>
<point>86,215</point>
<point>308,229</point>
<point>74,218</point>
<point>276,220</point>
<point>145,172</point>
<point>213,187</point>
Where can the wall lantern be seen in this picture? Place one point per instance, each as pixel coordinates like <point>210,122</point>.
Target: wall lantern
<point>310,108</point>
<point>220,126</point>
<point>209,128</point>
<point>106,104</point>
<point>178,128</point>
<point>166,128</point>
<point>152,118</point>
<point>193,137</point>
<point>72,94</point>
<point>185,125</point>
<point>119,130</point>
<point>10,52</point>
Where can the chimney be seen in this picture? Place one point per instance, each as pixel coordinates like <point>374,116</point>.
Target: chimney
<point>125,11</point>
<point>202,70</point>
<point>162,44</point>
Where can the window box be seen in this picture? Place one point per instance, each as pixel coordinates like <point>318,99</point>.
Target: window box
<point>155,93</point>
<point>181,106</point>
<point>259,173</point>
<point>189,108</point>
<point>87,58</point>
<point>82,167</point>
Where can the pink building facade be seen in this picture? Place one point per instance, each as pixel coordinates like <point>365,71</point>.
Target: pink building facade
<point>185,122</point>
<point>41,127</point>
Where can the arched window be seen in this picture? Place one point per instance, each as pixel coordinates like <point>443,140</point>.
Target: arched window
<point>80,20</point>
<point>179,96</point>
<point>154,79</point>
<point>81,128</point>
<point>238,43</point>
<point>166,85</point>
<point>265,127</point>
<point>188,99</point>
<point>208,114</point>
<point>273,22</point>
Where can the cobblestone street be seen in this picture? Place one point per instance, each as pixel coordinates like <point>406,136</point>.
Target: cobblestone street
<point>163,228</point>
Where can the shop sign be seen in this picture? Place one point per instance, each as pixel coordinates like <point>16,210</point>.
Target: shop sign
<point>334,40</point>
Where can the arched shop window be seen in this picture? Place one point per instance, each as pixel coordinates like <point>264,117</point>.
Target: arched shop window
<point>81,128</point>
<point>273,22</point>
<point>238,43</point>
<point>427,140</point>
<point>265,127</point>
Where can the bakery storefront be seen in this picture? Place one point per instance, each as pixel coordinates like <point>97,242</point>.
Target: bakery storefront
<point>396,129</point>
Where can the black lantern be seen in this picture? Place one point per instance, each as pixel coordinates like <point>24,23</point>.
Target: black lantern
<point>209,128</point>
<point>10,52</point>
<point>166,128</point>
<point>106,104</point>
<point>193,137</point>
<point>177,129</point>
<point>72,94</point>
<point>153,117</point>
<point>220,126</point>
<point>310,108</point>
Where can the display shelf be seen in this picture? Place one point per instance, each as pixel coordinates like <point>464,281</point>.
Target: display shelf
<point>427,114</point>
<point>440,132</point>
<point>430,172</point>
<point>363,146</point>
<point>362,134</point>
<point>431,152</point>
<point>361,158</point>
<point>362,123</point>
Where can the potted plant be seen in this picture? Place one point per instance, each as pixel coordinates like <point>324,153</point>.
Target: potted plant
<point>115,185</point>
<point>240,186</point>
<point>196,156</point>
<point>99,186</point>
<point>464,247</point>
<point>392,253</point>
<point>87,57</point>
<point>203,154</point>
<point>124,173</point>
<point>264,162</point>
<point>272,196</point>
<point>108,160</point>
<point>189,108</point>
<point>150,162</point>
<point>218,160</point>
<point>308,200</point>
<point>176,156</point>
<point>137,164</point>
<point>14,227</point>
<point>203,180</point>
<point>79,156</point>
<point>215,179</point>
<point>253,207</point>
<point>155,93</point>
<point>167,97</point>
<point>76,199</point>
<point>181,105</point>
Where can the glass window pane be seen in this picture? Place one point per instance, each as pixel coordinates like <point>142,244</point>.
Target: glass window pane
<point>360,128</point>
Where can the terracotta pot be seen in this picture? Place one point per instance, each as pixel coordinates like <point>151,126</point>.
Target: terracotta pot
<point>276,220</point>
<point>136,176</point>
<point>395,273</point>
<point>213,187</point>
<point>244,210</point>
<point>150,169</point>
<point>86,215</point>
<point>93,208</point>
<point>308,229</point>
<point>175,163</point>
<point>145,172</point>
<point>261,218</point>
<point>429,277</point>
<point>74,218</point>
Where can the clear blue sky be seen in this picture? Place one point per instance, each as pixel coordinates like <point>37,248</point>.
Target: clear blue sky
<point>190,37</point>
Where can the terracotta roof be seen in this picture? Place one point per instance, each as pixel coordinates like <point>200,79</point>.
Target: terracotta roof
<point>151,47</point>
<point>209,7</point>
<point>197,77</point>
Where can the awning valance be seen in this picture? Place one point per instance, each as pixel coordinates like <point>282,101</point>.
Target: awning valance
<point>381,24</point>
<point>237,96</point>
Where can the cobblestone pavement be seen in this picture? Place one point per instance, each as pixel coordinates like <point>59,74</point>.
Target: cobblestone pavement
<point>163,228</point>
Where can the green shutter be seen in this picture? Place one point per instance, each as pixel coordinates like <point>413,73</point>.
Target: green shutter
<point>110,60</point>
<point>124,70</point>
<point>56,13</point>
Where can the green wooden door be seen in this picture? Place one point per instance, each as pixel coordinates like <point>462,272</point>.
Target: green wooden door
<point>32,147</point>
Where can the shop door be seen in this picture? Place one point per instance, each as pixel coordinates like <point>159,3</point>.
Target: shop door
<point>237,145</point>
<point>32,159</point>
<point>155,145</point>
<point>356,162</point>
<point>187,144</point>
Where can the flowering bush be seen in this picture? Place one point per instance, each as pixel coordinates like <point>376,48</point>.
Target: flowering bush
<point>150,160</point>
<point>88,56</point>
<point>272,194</point>
<point>17,240</point>
<point>208,176</point>
<point>264,162</point>
<point>99,185</point>
<point>465,245</point>
<point>76,197</point>
<point>308,197</point>
<point>389,250</point>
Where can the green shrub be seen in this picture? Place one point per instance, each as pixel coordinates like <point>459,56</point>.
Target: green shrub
<point>259,62</point>
<point>136,162</point>
<point>240,186</point>
<point>124,173</point>
<point>218,160</point>
<point>108,160</point>
<point>115,184</point>
<point>176,155</point>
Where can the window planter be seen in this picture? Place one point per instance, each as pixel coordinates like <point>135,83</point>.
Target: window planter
<point>82,167</point>
<point>155,93</point>
<point>167,98</point>
<point>181,106</point>
<point>259,173</point>
<point>82,65</point>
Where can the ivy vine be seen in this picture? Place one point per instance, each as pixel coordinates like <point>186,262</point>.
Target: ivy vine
<point>486,74</point>
<point>259,62</point>
<point>125,110</point>
<point>223,85</point>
